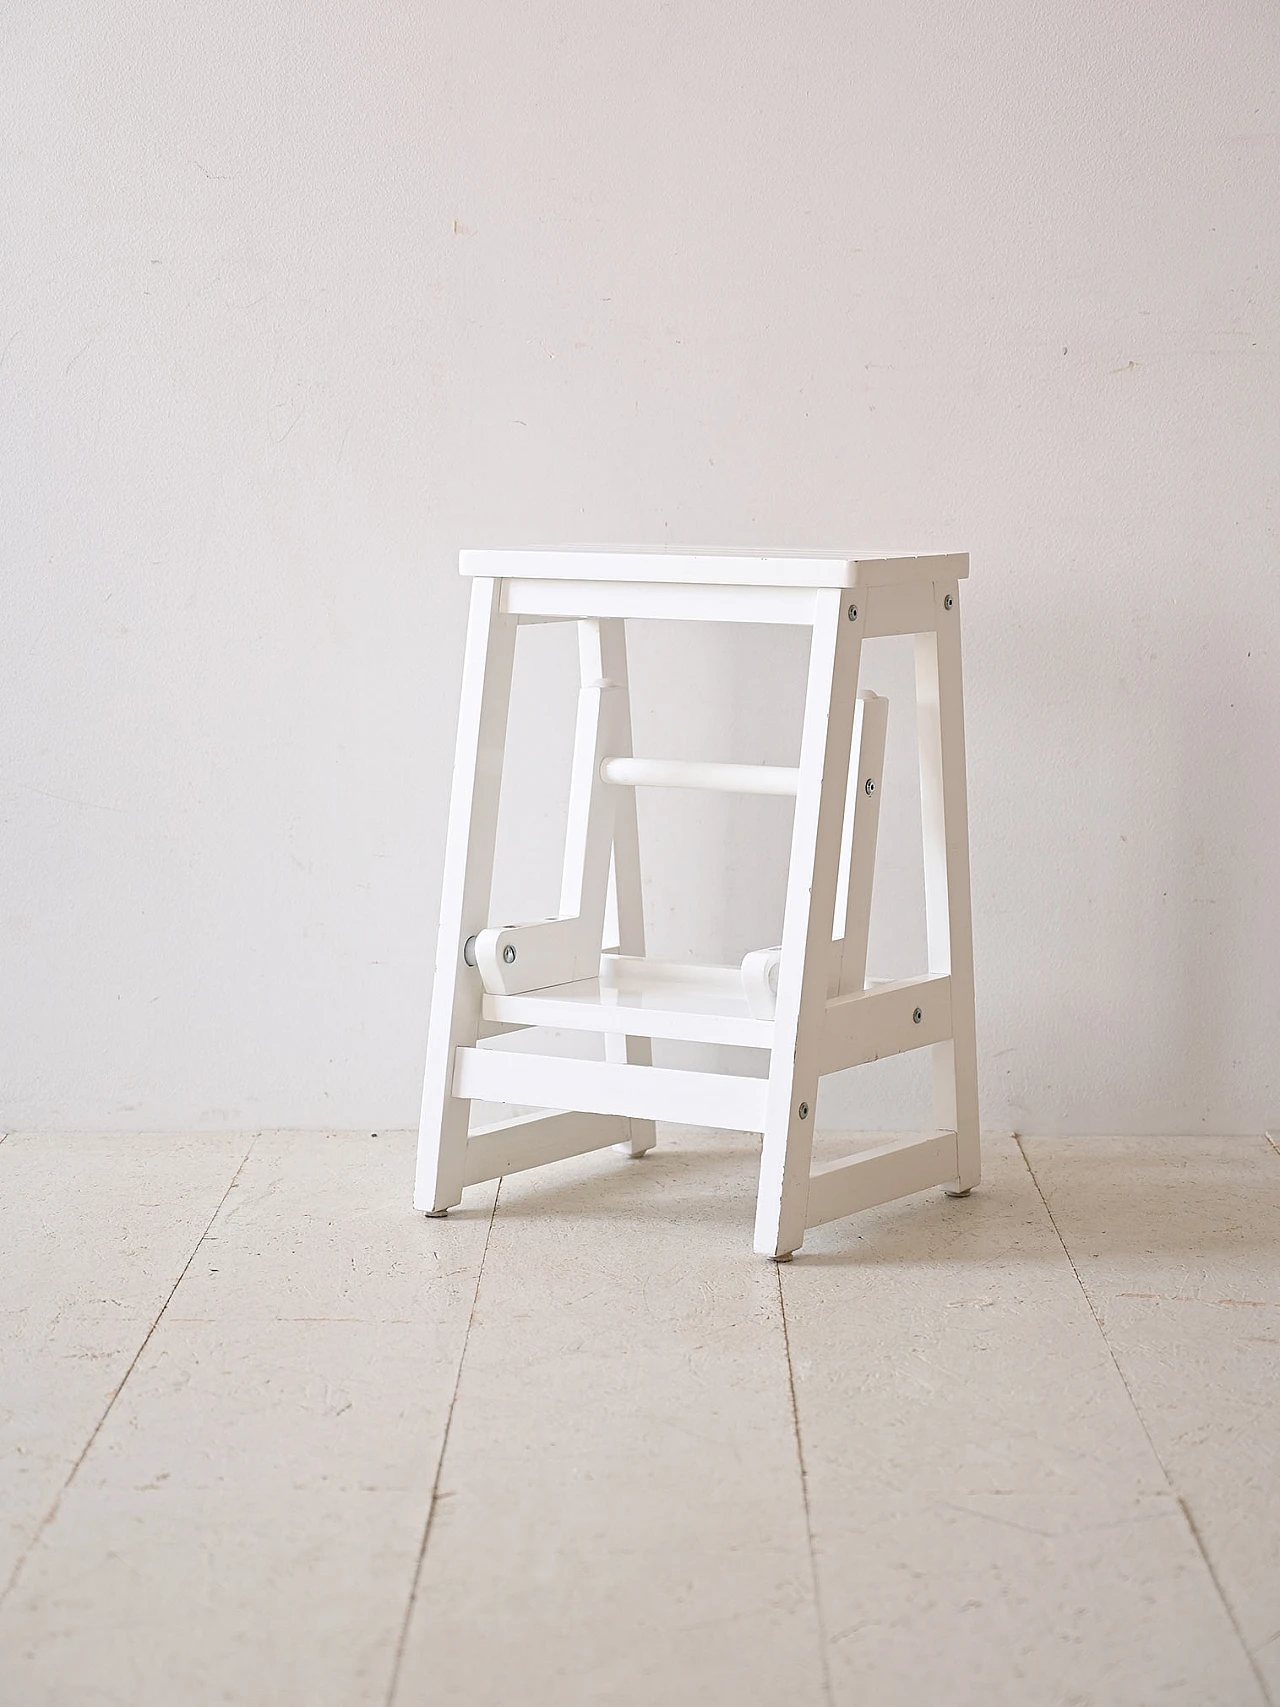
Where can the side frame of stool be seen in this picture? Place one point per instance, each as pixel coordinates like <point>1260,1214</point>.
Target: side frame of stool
<point>812,1034</point>
<point>808,1040</point>
<point>451,1154</point>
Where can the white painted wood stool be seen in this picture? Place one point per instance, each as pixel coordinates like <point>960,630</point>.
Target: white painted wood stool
<point>806,1001</point>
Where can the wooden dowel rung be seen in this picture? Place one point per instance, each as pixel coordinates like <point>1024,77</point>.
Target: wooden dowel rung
<point>687,773</point>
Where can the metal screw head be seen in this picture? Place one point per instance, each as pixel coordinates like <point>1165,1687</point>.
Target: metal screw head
<point>948,602</point>
<point>509,954</point>
<point>870,785</point>
<point>803,1111</point>
<point>853,613</point>
<point>917,1016</point>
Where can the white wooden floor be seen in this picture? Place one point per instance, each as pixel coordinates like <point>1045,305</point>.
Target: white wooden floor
<point>266,1437</point>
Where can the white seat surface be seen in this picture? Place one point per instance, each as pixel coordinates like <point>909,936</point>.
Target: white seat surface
<point>634,997</point>
<point>721,568</point>
<point>644,998</point>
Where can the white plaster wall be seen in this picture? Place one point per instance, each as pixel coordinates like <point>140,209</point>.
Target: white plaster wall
<point>297,299</point>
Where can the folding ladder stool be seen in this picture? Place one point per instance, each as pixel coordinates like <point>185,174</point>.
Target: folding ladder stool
<point>807,1000</point>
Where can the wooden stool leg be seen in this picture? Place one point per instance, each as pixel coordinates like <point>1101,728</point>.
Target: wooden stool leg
<point>804,965</point>
<point>464,905</point>
<point>945,818</point>
<point>626,870</point>
<point>858,848</point>
<point>514,959</point>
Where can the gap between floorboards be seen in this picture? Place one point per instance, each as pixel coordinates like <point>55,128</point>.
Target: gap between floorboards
<point>398,1661</point>
<point>20,1564</point>
<point>1192,1529</point>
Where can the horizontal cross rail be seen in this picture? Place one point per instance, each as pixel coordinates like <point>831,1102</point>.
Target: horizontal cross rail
<point>837,1189</point>
<point>529,1140</point>
<point>693,773</point>
<point>886,1019</point>
<point>608,1087</point>
<point>670,603</point>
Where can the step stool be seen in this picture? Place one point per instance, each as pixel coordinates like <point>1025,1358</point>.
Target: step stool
<point>807,1001</point>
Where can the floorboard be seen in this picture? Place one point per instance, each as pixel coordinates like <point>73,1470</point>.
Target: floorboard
<point>990,1520</point>
<point>270,1438</point>
<point>247,1523</point>
<point>1177,1243</point>
<point>621,1517</point>
<point>94,1234</point>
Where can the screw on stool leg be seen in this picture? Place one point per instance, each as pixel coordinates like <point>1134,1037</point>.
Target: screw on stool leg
<point>435,1214</point>
<point>948,1191</point>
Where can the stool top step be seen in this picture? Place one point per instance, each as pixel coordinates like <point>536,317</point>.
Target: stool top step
<point>713,569</point>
